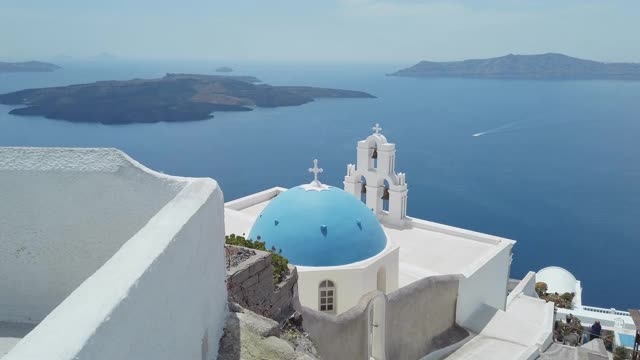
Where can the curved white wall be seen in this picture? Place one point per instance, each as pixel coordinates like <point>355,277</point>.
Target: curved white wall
<point>557,279</point>
<point>63,213</point>
<point>150,246</point>
<point>351,281</point>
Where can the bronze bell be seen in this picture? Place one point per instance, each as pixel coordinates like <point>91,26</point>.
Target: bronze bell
<point>375,154</point>
<point>385,195</point>
<point>364,188</point>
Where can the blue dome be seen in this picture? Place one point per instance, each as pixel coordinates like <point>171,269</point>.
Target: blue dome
<point>320,228</point>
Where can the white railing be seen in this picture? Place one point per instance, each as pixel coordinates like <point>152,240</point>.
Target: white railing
<point>611,319</point>
<point>611,311</point>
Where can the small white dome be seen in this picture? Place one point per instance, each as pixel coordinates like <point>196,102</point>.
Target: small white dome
<point>557,279</point>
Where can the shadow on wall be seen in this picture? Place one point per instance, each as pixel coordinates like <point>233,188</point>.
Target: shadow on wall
<point>418,319</point>
<point>421,317</point>
<point>229,349</point>
<point>344,336</point>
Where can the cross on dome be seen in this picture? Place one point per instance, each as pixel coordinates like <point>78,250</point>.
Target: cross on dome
<point>315,184</point>
<point>315,170</point>
<point>377,128</point>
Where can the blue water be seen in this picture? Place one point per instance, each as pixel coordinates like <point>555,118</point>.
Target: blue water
<point>558,168</point>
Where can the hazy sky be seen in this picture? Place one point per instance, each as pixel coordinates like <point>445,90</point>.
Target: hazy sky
<point>320,30</point>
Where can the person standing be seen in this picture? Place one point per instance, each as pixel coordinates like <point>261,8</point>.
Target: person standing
<point>596,330</point>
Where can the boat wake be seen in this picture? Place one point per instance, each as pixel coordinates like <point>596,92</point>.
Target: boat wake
<point>503,128</point>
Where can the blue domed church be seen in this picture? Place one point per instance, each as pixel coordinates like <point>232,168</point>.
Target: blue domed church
<point>335,236</point>
<point>386,285</point>
<point>334,239</point>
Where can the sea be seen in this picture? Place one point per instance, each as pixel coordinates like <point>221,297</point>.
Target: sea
<point>554,165</point>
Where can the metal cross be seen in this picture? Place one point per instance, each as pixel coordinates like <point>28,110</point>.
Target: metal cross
<point>315,170</point>
<point>377,128</point>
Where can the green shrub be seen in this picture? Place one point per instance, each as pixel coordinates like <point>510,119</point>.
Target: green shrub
<point>241,241</point>
<point>278,262</point>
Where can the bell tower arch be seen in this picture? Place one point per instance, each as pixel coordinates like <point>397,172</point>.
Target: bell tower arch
<point>376,162</point>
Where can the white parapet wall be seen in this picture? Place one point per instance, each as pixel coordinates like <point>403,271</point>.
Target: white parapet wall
<point>610,319</point>
<point>526,286</point>
<point>113,260</point>
<point>484,289</point>
<point>64,213</point>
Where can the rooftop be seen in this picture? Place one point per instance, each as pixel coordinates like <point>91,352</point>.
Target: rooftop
<point>426,248</point>
<point>519,332</point>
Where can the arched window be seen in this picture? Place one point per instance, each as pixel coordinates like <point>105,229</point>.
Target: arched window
<point>385,196</point>
<point>327,296</point>
<point>363,190</point>
<point>374,156</point>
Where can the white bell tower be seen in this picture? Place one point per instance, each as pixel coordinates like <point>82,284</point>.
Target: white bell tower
<point>374,175</point>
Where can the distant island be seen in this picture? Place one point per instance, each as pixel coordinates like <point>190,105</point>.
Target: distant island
<point>224,69</point>
<point>27,66</point>
<point>173,98</point>
<point>544,66</point>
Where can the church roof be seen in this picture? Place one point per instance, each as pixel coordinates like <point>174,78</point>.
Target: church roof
<point>319,225</point>
<point>426,248</point>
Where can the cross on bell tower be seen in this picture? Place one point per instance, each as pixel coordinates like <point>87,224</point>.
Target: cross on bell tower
<point>377,128</point>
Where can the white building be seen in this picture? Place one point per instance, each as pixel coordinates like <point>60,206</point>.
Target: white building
<point>349,243</point>
<point>102,258</point>
<point>561,281</point>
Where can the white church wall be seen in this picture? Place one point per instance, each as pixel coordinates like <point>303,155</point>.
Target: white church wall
<point>63,213</point>
<point>161,296</point>
<point>388,264</point>
<point>348,283</point>
<point>352,281</point>
<point>484,289</point>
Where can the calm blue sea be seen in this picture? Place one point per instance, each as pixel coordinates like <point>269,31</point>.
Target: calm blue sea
<point>558,168</point>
